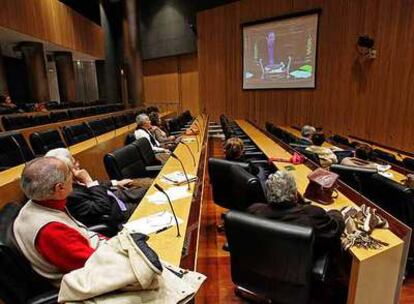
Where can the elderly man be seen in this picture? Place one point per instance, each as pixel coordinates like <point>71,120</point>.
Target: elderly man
<point>144,131</point>
<point>307,132</point>
<point>92,202</point>
<point>284,204</point>
<point>48,236</point>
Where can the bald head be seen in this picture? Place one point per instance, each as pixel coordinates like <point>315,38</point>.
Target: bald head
<point>40,177</point>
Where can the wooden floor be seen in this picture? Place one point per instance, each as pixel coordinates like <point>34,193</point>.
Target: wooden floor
<point>215,263</point>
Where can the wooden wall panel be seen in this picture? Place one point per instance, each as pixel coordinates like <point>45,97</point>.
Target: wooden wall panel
<point>52,21</point>
<point>172,83</point>
<point>367,98</point>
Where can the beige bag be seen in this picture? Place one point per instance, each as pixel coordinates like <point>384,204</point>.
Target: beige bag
<point>119,272</point>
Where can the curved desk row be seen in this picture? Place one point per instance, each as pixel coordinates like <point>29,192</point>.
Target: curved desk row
<point>180,251</point>
<point>376,275</point>
<point>90,154</point>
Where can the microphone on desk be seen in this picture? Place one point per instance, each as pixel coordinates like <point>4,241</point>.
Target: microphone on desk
<point>182,166</point>
<point>189,150</point>
<point>159,188</point>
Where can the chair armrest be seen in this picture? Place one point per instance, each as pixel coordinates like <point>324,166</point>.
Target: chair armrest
<point>153,168</point>
<point>251,154</point>
<point>319,269</point>
<point>100,228</point>
<point>50,297</point>
<point>260,162</point>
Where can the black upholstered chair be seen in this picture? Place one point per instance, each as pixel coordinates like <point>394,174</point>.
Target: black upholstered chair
<point>76,113</point>
<point>310,155</point>
<point>392,196</point>
<point>59,116</point>
<point>77,133</point>
<point>152,164</point>
<point>39,120</point>
<point>120,121</point>
<point>109,124</point>
<point>271,259</point>
<point>14,150</point>
<point>15,122</point>
<point>130,138</point>
<point>233,188</point>
<point>42,142</point>
<point>354,177</point>
<point>340,155</point>
<point>18,282</point>
<point>126,162</point>
<point>341,140</point>
<point>409,163</point>
<point>98,127</point>
<point>380,154</point>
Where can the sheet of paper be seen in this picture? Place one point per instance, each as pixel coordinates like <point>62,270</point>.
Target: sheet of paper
<point>174,193</point>
<point>178,177</point>
<point>152,223</point>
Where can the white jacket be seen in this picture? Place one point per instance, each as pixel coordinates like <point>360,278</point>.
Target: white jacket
<point>142,134</point>
<point>120,273</point>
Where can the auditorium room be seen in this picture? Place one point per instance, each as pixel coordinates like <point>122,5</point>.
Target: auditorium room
<point>206,151</point>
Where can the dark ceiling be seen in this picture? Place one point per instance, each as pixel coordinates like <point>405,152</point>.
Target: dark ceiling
<point>90,8</point>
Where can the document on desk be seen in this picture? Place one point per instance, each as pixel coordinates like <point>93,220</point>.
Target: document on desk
<point>174,193</point>
<point>153,223</point>
<point>178,177</point>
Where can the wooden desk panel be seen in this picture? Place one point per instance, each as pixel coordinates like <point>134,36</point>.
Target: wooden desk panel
<point>376,275</point>
<point>167,245</point>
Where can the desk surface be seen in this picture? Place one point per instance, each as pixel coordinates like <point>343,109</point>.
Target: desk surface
<point>376,275</point>
<point>167,245</point>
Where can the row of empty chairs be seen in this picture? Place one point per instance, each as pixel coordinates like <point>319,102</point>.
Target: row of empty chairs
<point>14,149</point>
<point>18,121</point>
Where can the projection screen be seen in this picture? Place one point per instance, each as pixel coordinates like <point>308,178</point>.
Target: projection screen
<point>281,53</point>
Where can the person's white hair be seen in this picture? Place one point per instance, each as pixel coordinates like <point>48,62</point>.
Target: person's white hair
<point>307,131</point>
<point>62,154</point>
<point>281,187</point>
<point>41,175</point>
<point>141,119</point>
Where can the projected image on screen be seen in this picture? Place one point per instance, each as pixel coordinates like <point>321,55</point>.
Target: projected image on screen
<point>280,54</point>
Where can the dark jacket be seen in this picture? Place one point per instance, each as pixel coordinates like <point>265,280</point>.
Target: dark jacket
<point>93,205</point>
<point>327,226</point>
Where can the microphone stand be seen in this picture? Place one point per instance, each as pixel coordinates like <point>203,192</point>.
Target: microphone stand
<point>182,166</point>
<point>159,188</point>
<point>189,150</point>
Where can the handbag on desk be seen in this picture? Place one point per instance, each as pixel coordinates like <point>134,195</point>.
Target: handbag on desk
<point>322,186</point>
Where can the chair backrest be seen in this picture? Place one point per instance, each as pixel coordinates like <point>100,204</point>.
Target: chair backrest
<point>98,127</point>
<point>41,120</point>
<point>270,258</point>
<point>130,138</point>
<point>76,113</point>
<point>14,150</point>
<point>340,155</point>
<point>353,176</point>
<point>125,162</point>
<point>42,142</point>
<point>18,282</point>
<point>341,140</point>
<point>120,121</point>
<point>59,116</point>
<point>245,188</point>
<point>310,155</point>
<point>77,133</point>
<point>409,163</point>
<point>218,170</point>
<point>146,152</point>
<point>385,156</point>
<point>109,123</point>
<point>392,196</point>
<point>15,122</point>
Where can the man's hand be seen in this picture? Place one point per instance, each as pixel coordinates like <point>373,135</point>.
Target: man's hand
<point>82,176</point>
<point>124,183</point>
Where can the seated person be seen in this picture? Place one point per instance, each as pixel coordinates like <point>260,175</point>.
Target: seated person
<point>234,151</point>
<point>5,101</point>
<point>362,158</point>
<point>326,156</point>
<point>144,131</point>
<point>161,135</point>
<point>306,132</point>
<point>47,235</point>
<point>284,204</point>
<point>93,202</point>
<point>151,109</point>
